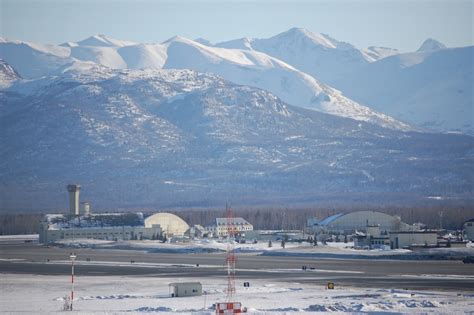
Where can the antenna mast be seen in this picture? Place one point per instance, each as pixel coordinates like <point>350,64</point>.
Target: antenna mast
<point>230,259</point>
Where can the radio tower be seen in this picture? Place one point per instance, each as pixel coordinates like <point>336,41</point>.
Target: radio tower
<point>230,259</point>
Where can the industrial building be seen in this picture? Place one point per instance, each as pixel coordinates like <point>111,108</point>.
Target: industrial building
<point>348,223</point>
<point>273,235</point>
<point>105,226</point>
<point>372,238</point>
<point>183,289</point>
<point>407,239</point>
<point>468,229</point>
<point>82,223</point>
<point>238,225</point>
<point>197,231</point>
<point>171,225</point>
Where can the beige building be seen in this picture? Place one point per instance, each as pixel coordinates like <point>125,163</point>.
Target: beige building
<point>468,228</point>
<point>238,225</point>
<point>170,224</point>
<point>405,239</point>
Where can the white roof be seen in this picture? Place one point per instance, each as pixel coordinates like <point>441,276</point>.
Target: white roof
<point>234,221</point>
<point>175,284</point>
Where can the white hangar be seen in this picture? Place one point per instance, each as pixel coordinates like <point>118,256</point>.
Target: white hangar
<point>170,224</point>
<point>357,221</point>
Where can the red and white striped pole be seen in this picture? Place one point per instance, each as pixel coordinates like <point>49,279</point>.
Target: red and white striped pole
<point>73,257</point>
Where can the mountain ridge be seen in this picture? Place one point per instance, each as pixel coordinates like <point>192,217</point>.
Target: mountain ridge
<point>245,67</point>
<point>180,137</point>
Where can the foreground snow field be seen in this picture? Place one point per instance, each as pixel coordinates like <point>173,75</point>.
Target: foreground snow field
<point>131,295</point>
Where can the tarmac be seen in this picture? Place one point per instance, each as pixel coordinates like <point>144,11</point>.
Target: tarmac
<point>18,257</point>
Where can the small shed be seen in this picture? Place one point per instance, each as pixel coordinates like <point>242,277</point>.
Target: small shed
<point>182,289</point>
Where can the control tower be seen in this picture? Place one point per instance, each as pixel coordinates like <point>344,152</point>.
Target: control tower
<point>74,198</point>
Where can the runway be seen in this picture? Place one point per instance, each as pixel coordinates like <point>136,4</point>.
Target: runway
<point>31,258</point>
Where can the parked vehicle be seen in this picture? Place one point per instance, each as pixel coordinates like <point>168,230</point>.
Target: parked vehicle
<point>468,260</point>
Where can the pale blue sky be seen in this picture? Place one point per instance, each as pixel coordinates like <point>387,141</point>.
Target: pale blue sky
<point>400,24</point>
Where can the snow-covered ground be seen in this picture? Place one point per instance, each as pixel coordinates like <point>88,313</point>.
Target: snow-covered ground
<point>113,295</point>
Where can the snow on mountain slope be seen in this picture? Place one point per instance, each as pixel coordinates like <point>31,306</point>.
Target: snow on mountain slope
<point>260,70</point>
<point>144,56</point>
<point>429,89</point>
<point>204,41</point>
<point>240,66</point>
<point>99,40</point>
<point>319,55</point>
<point>374,53</point>
<point>33,60</point>
<point>431,44</point>
<point>241,43</point>
<point>7,74</point>
<point>107,56</point>
<point>178,137</point>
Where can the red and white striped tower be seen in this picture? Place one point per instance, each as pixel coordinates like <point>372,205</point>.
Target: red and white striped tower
<point>73,257</point>
<point>230,259</point>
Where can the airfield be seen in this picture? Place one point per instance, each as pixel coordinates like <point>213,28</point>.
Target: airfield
<point>25,261</point>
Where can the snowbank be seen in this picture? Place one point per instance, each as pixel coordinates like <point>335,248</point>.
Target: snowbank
<point>137,295</point>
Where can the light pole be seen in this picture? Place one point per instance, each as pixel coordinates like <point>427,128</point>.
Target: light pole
<point>72,257</point>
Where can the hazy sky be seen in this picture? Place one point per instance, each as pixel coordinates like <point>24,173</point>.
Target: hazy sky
<point>400,24</point>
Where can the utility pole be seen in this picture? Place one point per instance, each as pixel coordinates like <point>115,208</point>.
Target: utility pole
<point>73,258</point>
<point>230,259</point>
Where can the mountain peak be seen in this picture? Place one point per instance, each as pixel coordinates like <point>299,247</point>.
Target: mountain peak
<point>177,38</point>
<point>100,40</point>
<point>431,44</point>
<point>317,38</point>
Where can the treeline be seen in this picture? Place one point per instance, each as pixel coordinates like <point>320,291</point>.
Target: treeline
<point>449,217</point>
<point>274,218</point>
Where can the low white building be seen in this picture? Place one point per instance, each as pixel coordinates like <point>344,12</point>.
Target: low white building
<point>239,226</point>
<point>182,289</point>
<point>105,226</point>
<point>405,239</point>
<point>372,238</point>
<point>468,229</point>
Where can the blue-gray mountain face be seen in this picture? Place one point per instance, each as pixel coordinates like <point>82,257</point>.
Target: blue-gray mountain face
<point>153,138</point>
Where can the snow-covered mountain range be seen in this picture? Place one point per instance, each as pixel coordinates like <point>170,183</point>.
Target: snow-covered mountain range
<point>299,66</point>
<point>239,66</point>
<point>430,88</point>
<point>186,122</point>
<point>319,55</point>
